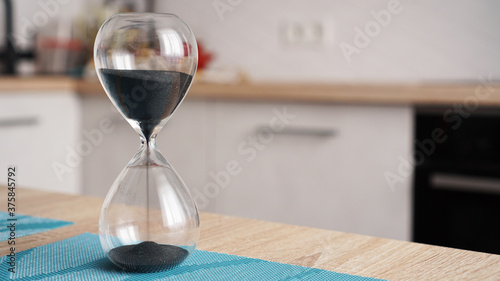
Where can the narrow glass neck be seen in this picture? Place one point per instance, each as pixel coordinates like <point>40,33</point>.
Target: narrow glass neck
<point>149,154</point>
<point>151,144</point>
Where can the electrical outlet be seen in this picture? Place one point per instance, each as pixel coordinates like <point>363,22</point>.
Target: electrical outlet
<point>307,32</point>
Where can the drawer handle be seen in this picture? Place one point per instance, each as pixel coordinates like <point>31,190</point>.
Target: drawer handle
<point>466,183</point>
<point>18,122</point>
<point>302,131</point>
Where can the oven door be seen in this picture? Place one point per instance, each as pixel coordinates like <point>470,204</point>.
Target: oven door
<point>456,192</point>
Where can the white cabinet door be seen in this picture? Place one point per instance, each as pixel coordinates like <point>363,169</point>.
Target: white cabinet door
<point>185,142</point>
<point>314,165</point>
<point>40,132</point>
<point>182,142</point>
<point>112,148</point>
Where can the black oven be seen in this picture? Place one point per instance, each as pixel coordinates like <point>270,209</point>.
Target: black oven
<point>456,190</point>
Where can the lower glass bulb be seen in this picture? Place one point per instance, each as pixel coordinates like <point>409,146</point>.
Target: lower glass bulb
<point>149,221</point>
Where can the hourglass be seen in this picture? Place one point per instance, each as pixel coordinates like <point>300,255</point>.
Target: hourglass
<point>146,62</point>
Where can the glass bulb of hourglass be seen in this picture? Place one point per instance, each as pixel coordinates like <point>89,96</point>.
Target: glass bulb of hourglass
<point>145,62</point>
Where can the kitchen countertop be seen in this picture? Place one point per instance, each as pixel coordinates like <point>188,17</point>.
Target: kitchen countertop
<point>330,250</point>
<point>412,94</point>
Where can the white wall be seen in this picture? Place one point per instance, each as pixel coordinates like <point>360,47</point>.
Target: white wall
<point>427,40</point>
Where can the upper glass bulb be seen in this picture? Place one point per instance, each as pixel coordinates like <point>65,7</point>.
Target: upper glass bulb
<point>145,62</point>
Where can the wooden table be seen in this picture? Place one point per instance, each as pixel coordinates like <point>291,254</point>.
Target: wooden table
<point>330,250</point>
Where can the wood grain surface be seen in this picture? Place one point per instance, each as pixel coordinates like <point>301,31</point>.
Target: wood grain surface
<point>331,250</point>
<point>351,93</point>
<point>14,84</point>
<point>358,93</point>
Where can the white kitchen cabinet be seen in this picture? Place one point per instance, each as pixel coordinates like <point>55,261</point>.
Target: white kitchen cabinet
<point>40,134</point>
<point>183,142</point>
<point>111,151</point>
<point>325,168</point>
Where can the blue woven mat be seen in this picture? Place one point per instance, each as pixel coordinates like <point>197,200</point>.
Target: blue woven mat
<point>81,258</point>
<point>27,225</point>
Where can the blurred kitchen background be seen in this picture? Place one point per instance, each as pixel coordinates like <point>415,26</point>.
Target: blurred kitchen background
<point>373,117</point>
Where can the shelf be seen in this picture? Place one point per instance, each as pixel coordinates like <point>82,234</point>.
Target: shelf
<point>395,94</point>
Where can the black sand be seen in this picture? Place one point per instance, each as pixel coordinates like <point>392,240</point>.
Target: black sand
<point>146,96</point>
<point>147,256</point>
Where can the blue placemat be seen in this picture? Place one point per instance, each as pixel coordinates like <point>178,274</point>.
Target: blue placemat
<point>81,258</point>
<point>26,225</point>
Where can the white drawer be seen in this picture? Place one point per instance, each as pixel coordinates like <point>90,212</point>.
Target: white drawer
<point>38,131</point>
<point>324,169</point>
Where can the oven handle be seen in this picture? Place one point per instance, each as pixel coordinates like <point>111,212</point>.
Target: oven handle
<point>465,183</point>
